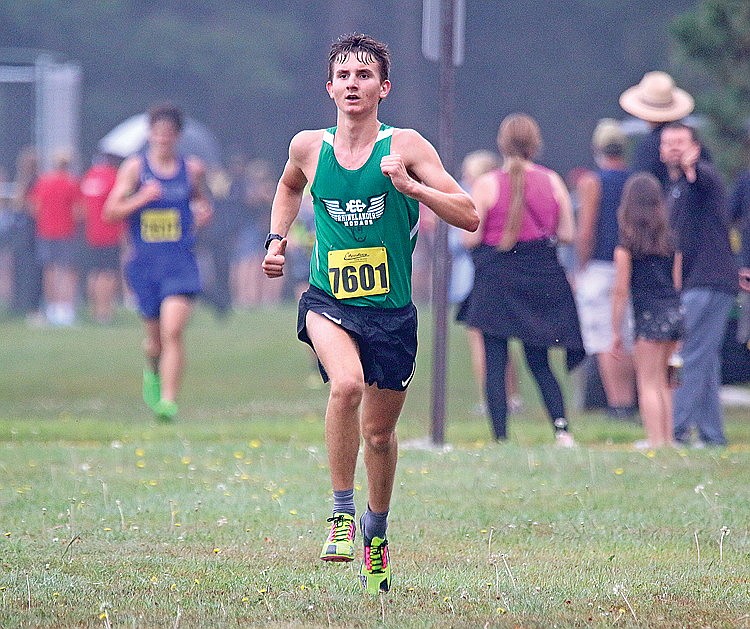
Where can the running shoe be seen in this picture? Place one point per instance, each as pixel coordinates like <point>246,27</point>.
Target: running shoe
<point>166,410</point>
<point>340,543</point>
<point>375,572</point>
<point>564,439</point>
<point>151,388</point>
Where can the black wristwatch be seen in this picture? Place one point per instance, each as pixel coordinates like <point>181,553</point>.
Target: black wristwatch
<point>271,237</point>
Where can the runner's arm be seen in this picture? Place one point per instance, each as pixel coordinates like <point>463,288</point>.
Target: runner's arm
<point>200,200</point>
<point>286,201</point>
<point>415,169</point>
<point>123,200</point>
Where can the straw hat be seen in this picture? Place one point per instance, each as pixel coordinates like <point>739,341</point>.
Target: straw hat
<point>657,99</point>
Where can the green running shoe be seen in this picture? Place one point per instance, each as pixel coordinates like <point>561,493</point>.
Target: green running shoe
<point>340,543</point>
<point>375,572</point>
<point>151,388</point>
<point>166,410</point>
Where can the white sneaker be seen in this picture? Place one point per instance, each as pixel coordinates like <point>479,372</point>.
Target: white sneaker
<point>564,439</point>
<point>479,409</point>
<point>515,405</point>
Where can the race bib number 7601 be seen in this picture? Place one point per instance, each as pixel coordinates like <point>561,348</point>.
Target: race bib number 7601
<point>358,272</point>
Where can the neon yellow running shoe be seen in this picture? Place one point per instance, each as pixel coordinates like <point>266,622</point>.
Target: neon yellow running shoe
<point>166,410</point>
<point>151,388</point>
<point>375,572</point>
<point>340,543</point>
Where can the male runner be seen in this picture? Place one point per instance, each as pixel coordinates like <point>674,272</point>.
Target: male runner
<point>162,197</point>
<point>367,182</point>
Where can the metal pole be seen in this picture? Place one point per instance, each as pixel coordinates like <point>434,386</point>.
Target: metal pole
<point>441,261</point>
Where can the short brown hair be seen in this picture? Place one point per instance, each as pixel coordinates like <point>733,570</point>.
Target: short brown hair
<point>366,48</point>
<point>166,111</point>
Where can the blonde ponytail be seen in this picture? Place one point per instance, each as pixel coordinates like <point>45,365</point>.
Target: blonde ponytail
<point>519,140</point>
<point>516,175</point>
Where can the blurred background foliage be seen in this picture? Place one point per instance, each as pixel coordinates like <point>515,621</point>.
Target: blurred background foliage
<point>713,43</point>
<point>254,72</point>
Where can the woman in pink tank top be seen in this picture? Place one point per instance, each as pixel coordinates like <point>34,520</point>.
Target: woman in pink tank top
<point>520,289</point>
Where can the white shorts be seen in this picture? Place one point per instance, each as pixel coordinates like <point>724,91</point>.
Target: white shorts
<point>594,301</point>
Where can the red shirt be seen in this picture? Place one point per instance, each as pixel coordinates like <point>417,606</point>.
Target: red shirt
<point>95,187</point>
<point>55,195</point>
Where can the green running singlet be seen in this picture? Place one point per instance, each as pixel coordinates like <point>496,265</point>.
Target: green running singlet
<point>365,230</point>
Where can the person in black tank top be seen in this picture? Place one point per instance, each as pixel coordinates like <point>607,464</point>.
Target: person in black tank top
<point>648,269</point>
<point>599,195</point>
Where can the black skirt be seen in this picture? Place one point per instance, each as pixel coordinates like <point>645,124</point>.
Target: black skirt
<point>524,293</point>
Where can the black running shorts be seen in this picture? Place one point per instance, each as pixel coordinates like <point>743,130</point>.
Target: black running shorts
<point>386,337</point>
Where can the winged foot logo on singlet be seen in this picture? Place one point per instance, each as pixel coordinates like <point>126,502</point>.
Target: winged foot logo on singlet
<point>356,212</point>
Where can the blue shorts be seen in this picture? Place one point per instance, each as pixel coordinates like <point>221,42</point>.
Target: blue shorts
<point>386,337</point>
<point>154,279</point>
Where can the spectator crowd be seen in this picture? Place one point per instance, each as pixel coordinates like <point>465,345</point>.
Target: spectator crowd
<point>649,283</point>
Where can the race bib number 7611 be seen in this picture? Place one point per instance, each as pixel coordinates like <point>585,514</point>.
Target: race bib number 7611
<point>358,272</point>
<point>161,225</point>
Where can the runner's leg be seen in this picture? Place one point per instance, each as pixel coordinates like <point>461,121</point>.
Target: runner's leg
<point>339,355</point>
<point>380,412</point>
<point>174,315</point>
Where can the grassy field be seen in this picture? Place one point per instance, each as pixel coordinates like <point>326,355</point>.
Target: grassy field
<point>109,519</point>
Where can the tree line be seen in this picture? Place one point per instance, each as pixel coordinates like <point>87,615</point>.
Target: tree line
<point>255,72</point>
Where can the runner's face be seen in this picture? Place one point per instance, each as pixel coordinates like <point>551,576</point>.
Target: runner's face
<point>356,86</point>
<point>163,136</point>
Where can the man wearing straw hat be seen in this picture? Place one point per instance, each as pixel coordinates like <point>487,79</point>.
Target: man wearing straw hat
<point>657,101</point>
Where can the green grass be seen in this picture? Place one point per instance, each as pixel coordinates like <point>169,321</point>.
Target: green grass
<point>109,519</point>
